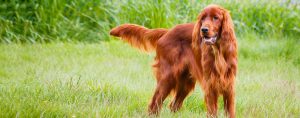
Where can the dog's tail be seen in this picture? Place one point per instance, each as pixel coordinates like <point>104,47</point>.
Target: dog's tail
<point>138,36</point>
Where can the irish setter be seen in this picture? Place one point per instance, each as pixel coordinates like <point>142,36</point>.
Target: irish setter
<point>204,52</point>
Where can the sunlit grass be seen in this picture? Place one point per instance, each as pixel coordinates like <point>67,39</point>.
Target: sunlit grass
<point>111,79</point>
<point>41,75</point>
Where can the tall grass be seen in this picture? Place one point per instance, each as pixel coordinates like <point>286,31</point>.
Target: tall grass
<point>90,20</point>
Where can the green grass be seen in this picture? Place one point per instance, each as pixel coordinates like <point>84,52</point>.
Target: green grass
<point>50,65</point>
<point>111,79</point>
<point>32,21</point>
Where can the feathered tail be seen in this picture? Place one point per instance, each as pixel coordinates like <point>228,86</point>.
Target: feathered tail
<point>138,36</point>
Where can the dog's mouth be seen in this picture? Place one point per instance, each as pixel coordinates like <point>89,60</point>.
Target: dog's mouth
<point>210,40</point>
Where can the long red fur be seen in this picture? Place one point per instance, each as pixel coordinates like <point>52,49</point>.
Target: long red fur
<point>139,36</point>
<point>182,59</point>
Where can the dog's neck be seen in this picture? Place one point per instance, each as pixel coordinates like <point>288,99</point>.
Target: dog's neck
<point>220,62</point>
<point>215,49</point>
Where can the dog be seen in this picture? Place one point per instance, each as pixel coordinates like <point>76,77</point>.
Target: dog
<point>204,52</point>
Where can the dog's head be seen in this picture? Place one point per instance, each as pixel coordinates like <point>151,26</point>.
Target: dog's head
<point>214,23</point>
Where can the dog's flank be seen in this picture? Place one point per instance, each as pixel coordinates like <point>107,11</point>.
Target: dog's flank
<point>138,36</point>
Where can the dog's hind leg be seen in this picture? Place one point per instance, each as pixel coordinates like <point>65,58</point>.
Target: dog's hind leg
<point>185,85</point>
<point>165,84</point>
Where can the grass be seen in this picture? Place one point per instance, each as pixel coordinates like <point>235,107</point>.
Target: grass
<point>111,79</point>
<point>36,21</point>
<point>57,59</point>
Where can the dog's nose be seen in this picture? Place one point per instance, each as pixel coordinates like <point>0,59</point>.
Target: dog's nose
<point>204,29</point>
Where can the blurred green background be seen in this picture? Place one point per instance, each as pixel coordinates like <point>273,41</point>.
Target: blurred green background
<point>90,20</point>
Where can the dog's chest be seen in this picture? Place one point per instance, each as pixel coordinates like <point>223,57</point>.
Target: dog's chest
<point>208,61</point>
<point>210,73</point>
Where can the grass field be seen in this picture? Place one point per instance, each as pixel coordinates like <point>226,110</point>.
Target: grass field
<point>58,60</point>
<point>111,79</point>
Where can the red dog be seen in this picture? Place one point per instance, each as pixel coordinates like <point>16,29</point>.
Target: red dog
<point>205,52</point>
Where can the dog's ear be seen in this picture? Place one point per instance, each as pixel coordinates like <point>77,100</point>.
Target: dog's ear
<point>227,32</point>
<point>196,37</point>
<point>228,39</point>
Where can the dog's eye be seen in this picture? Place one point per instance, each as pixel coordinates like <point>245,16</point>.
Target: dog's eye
<point>215,18</point>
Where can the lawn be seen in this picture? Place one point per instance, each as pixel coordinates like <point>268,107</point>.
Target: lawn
<point>58,60</point>
<point>111,79</point>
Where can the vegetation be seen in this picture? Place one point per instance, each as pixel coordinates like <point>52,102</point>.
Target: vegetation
<point>57,59</point>
<point>89,20</point>
<point>112,79</point>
